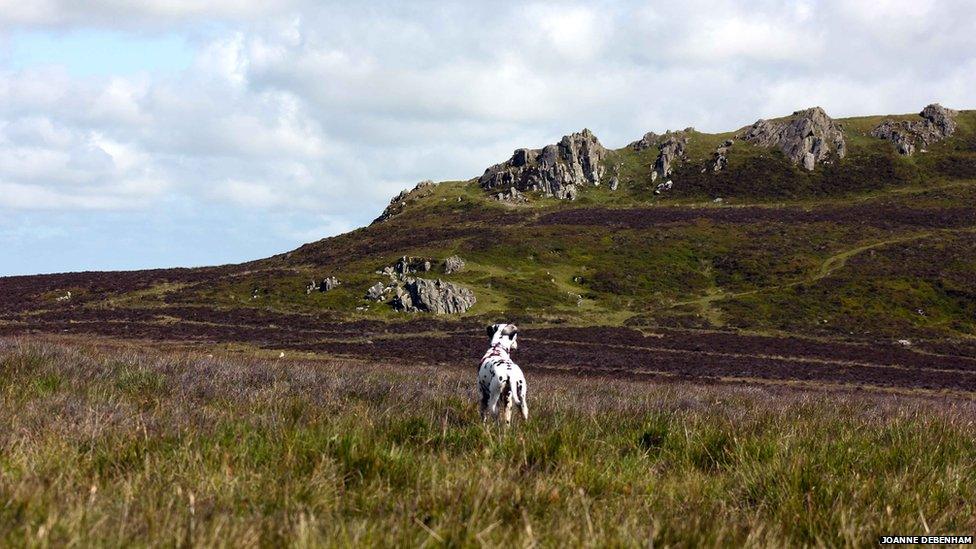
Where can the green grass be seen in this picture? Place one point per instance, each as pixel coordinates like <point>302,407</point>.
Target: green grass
<point>122,447</point>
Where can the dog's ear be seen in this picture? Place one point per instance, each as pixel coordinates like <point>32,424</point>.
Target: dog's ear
<point>491,330</point>
<point>510,330</point>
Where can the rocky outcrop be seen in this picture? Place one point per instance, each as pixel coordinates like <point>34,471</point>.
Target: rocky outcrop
<point>325,285</point>
<point>807,137</point>
<point>721,160</point>
<point>404,266</point>
<point>453,264</point>
<point>400,201</point>
<point>649,140</point>
<point>670,149</point>
<point>558,170</point>
<point>433,296</point>
<point>936,124</point>
<point>411,293</point>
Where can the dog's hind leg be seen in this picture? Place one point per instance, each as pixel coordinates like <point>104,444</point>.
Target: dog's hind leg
<point>523,405</point>
<point>483,403</point>
<point>507,398</point>
<point>497,387</point>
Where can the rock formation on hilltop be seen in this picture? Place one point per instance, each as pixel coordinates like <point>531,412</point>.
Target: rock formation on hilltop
<point>671,148</point>
<point>400,201</point>
<point>936,124</point>
<point>555,170</point>
<point>646,142</point>
<point>807,137</point>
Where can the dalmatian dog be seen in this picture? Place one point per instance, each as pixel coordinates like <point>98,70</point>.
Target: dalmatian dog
<point>500,379</point>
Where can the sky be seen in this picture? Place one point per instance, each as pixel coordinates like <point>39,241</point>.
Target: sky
<point>196,132</point>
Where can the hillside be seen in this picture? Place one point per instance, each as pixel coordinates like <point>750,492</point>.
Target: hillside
<point>802,237</point>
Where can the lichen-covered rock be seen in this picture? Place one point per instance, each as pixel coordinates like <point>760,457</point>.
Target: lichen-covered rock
<point>400,201</point>
<point>807,137</point>
<point>433,296</point>
<point>558,170</point>
<point>936,124</point>
<point>453,264</point>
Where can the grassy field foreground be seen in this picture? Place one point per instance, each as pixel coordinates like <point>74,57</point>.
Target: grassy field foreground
<point>126,446</point>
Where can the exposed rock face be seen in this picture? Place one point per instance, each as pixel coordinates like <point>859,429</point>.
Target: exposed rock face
<point>615,178</point>
<point>721,155</point>
<point>649,140</point>
<point>555,170</point>
<point>433,296</point>
<point>327,284</point>
<point>401,200</point>
<point>453,264</point>
<point>670,149</point>
<point>807,137</point>
<point>937,123</point>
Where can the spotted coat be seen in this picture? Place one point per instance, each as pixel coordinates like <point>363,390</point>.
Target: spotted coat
<point>500,380</point>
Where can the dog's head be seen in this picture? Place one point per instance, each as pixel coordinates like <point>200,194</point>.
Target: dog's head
<point>506,334</point>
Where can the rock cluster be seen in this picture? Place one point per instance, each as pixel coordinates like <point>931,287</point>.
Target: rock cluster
<point>807,137</point>
<point>325,285</point>
<point>512,194</point>
<point>400,201</point>
<point>453,264</point>
<point>412,293</point>
<point>664,186</point>
<point>937,123</point>
<point>433,296</point>
<point>558,170</point>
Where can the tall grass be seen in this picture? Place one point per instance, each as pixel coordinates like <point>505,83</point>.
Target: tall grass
<point>122,446</point>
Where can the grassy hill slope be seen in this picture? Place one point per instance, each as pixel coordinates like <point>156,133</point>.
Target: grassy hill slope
<point>874,245</point>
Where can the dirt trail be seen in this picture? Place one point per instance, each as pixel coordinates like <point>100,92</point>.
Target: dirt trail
<point>829,266</point>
